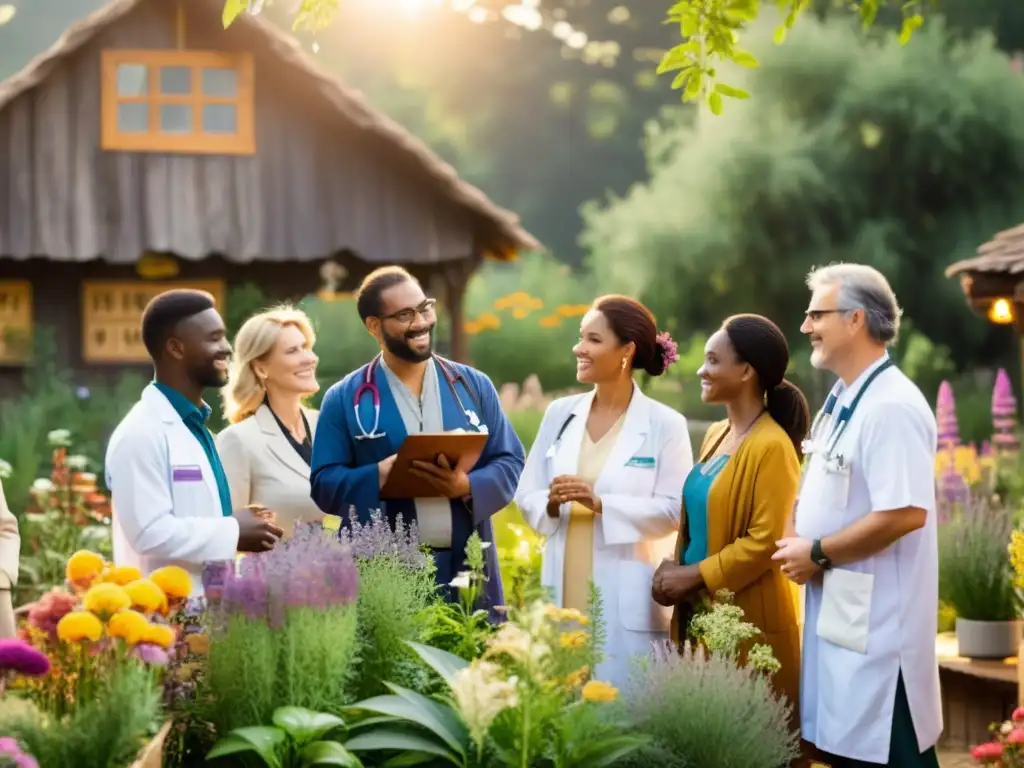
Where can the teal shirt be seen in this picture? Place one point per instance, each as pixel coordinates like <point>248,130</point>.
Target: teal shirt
<point>195,419</point>
<point>695,501</point>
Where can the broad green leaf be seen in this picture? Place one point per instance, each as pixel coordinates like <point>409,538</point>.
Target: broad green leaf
<point>232,10</point>
<point>744,59</point>
<point>397,738</point>
<point>264,740</point>
<point>414,708</point>
<point>693,87</point>
<point>328,753</point>
<point>715,103</point>
<point>230,745</point>
<point>444,663</point>
<point>732,93</point>
<point>407,759</point>
<point>607,752</point>
<point>305,725</point>
<point>780,35</point>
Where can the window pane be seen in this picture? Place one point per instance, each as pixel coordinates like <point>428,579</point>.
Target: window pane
<point>133,117</point>
<point>176,80</point>
<point>176,118</point>
<point>132,79</point>
<point>219,81</point>
<point>220,118</point>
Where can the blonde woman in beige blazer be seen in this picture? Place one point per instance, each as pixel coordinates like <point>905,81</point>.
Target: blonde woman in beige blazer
<point>267,449</point>
<point>10,556</point>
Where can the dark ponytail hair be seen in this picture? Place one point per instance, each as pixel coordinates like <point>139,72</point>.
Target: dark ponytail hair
<point>759,343</point>
<point>631,321</point>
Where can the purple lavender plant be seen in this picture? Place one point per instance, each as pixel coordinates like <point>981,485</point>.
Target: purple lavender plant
<point>1004,415</point>
<point>378,538</point>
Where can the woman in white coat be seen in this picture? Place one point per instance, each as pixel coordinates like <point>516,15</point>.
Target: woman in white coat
<point>267,449</point>
<point>603,481</point>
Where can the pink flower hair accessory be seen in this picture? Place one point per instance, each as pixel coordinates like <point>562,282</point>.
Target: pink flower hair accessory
<point>668,348</point>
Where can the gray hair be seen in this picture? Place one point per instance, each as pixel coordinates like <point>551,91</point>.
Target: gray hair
<point>865,288</point>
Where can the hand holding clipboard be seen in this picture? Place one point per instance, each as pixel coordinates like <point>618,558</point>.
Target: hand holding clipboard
<point>434,466</point>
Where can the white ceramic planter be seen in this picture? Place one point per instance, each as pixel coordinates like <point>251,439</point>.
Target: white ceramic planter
<point>988,639</point>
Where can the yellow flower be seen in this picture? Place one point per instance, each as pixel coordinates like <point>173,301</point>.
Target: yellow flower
<point>105,599</point>
<point>577,678</point>
<point>83,567</point>
<point>147,596</point>
<point>598,690</point>
<point>567,614</point>
<point>131,626</point>
<point>122,574</point>
<point>576,639</point>
<point>159,634</point>
<point>78,626</point>
<point>174,581</point>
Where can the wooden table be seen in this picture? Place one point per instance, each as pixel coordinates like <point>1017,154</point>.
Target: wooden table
<point>975,693</point>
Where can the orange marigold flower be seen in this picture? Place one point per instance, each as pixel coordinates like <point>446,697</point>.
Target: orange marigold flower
<point>159,634</point>
<point>130,626</point>
<point>122,574</point>
<point>83,567</point>
<point>147,596</point>
<point>78,626</point>
<point>105,599</point>
<point>173,580</point>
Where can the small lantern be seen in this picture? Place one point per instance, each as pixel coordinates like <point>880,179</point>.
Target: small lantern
<point>1001,312</point>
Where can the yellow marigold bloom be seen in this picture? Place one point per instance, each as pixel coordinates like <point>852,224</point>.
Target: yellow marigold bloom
<point>198,644</point>
<point>147,596</point>
<point>598,690</point>
<point>105,599</point>
<point>130,626</point>
<point>576,639</point>
<point>159,634</point>
<point>83,567</point>
<point>78,626</point>
<point>174,581</point>
<point>567,614</point>
<point>577,678</point>
<point>122,574</point>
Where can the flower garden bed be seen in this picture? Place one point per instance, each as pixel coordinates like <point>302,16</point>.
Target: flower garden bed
<point>337,650</point>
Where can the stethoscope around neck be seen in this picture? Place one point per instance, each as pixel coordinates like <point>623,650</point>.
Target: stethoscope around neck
<point>451,376</point>
<point>836,426</point>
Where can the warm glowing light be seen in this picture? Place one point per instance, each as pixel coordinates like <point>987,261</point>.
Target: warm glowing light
<point>1001,312</point>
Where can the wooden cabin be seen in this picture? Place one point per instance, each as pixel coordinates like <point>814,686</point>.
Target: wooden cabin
<point>149,147</point>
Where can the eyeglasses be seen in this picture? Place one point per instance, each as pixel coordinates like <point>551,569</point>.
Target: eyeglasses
<point>814,315</point>
<point>408,315</point>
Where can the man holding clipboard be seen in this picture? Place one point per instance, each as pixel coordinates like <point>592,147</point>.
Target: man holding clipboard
<point>416,436</point>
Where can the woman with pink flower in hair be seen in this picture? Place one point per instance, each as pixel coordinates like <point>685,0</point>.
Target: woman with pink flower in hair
<point>739,497</point>
<point>603,481</point>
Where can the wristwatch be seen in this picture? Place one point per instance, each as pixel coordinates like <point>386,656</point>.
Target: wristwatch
<point>818,556</point>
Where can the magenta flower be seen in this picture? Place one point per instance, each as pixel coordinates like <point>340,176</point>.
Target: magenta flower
<point>151,654</point>
<point>668,348</point>
<point>10,748</point>
<point>18,656</point>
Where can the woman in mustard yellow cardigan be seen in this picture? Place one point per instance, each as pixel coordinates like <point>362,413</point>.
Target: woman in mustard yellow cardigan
<point>738,500</point>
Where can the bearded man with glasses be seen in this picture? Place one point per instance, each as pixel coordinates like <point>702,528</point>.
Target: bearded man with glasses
<point>407,390</point>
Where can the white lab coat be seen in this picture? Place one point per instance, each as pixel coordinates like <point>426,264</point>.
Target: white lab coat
<point>639,521</point>
<point>846,696</point>
<point>159,519</point>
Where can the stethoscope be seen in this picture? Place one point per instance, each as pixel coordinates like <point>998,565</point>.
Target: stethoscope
<point>824,421</point>
<point>451,375</point>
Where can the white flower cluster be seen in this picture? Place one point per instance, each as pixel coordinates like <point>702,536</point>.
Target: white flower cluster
<point>6,470</point>
<point>59,438</point>
<point>481,693</point>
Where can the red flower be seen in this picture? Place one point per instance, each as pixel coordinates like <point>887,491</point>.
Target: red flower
<point>987,753</point>
<point>1018,715</point>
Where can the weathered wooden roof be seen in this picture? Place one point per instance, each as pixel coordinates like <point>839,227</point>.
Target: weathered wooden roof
<point>1003,254</point>
<point>349,103</point>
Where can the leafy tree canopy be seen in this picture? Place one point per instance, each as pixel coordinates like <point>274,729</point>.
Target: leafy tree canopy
<point>852,148</point>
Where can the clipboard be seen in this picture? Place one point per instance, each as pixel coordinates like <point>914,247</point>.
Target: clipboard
<point>463,449</point>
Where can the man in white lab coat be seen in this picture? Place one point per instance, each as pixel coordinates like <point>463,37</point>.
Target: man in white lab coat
<point>865,539</point>
<point>170,496</point>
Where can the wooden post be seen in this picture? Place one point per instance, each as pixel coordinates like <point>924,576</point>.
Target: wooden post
<point>456,278</point>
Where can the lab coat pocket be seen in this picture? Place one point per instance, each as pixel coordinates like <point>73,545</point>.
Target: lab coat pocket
<point>637,610</point>
<point>844,618</point>
<point>836,487</point>
<point>190,498</point>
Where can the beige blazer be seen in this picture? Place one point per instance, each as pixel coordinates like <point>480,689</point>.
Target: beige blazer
<point>10,554</point>
<point>263,468</point>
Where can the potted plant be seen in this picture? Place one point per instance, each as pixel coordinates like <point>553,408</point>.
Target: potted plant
<point>976,578</point>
